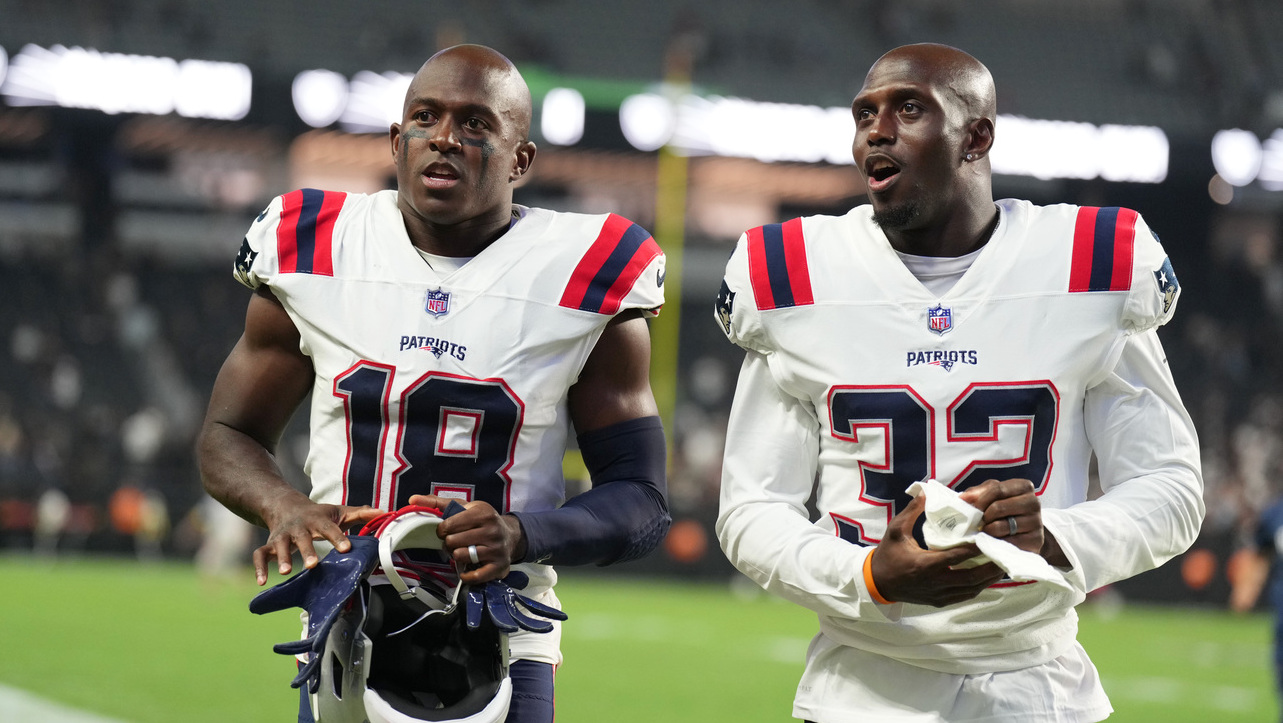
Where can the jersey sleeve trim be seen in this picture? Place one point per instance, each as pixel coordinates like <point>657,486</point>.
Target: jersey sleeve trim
<point>611,266</point>
<point>305,236</point>
<point>1104,244</point>
<point>777,266</point>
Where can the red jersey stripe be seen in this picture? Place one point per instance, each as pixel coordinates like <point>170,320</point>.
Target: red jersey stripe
<point>287,231</point>
<point>1084,243</point>
<point>795,259</point>
<point>323,251</point>
<point>758,273</point>
<point>1124,247</point>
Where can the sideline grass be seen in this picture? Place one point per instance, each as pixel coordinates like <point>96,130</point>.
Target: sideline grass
<point>142,643</point>
<point>157,643</point>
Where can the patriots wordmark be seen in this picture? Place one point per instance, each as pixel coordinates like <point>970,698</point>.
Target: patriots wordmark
<point>437,346</point>
<point>943,358</point>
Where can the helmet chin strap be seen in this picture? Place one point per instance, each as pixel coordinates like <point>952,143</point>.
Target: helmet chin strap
<point>413,529</point>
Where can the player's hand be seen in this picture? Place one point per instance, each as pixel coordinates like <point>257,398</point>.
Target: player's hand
<point>295,525</point>
<point>904,571</point>
<point>498,538</point>
<point>1007,501</point>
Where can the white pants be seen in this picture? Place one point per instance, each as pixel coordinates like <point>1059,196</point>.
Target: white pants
<point>847,685</point>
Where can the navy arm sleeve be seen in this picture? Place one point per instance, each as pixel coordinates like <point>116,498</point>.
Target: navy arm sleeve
<point>625,514</point>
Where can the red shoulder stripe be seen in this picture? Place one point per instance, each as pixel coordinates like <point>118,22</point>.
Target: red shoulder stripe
<point>758,274</point>
<point>1124,249</point>
<point>286,232</point>
<point>1103,249</point>
<point>795,257</point>
<point>777,266</point>
<point>610,267</point>
<point>323,257</point>
<point>305,236</point>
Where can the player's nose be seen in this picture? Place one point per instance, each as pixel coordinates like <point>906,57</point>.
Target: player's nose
<point>443,137</point>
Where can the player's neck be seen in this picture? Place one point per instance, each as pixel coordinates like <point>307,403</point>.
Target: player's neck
<point>960,234</point>
<point>466,238</point>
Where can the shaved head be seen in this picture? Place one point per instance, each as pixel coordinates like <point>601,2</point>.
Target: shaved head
<point>488,68</point>
<point>952,71</point>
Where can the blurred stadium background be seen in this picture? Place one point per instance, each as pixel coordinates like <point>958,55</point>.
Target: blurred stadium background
<point>138,138</point>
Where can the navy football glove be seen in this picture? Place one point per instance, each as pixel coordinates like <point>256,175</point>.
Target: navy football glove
<point>322,591</point>
<point>499,600</point>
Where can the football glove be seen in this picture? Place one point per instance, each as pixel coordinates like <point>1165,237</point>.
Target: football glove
<point>498,599</point>
<point>322,591</point>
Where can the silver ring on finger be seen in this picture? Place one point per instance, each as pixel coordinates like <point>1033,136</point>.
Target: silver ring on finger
<point>1012,528</point>
<point>472,554</point>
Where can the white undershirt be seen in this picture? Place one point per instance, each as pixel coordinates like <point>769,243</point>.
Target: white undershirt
<point>443,265</point>
<point>939,273</point>
<point>446,265</point>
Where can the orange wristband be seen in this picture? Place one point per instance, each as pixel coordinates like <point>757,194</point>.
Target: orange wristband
<point>868,579</point>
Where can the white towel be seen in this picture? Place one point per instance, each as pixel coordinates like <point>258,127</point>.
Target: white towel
<point>950,522</point>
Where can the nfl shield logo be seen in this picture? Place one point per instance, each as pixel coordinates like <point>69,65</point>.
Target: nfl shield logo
<point>438,302</point>
<point>939,319</point>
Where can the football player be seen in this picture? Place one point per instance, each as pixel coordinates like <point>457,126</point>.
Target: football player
<point>937,335</point>
<point>449,340</point>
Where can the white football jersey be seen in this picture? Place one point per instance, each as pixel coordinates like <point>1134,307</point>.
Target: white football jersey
<point>445,383</point>
<point>859,382</point>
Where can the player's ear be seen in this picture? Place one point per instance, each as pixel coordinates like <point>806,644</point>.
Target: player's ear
<point>394,136</point>
<point>522,160</point>
<point>979,139</point>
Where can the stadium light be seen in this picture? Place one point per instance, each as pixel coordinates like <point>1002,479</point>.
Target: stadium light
<point>562,119</point>
<point>1237,155</point>
<point>319,96</point>
<point>1060,149</point>
<point>1137,154</point>
<point>1042,149</point>
<point>206,89</point>
<point>119,83</point>
<point>375,101</point>
<point>647,121</point>
<point>736,127</point>
<point>1271,175</point>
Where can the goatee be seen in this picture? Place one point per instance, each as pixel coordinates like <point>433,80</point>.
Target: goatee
<point>896,218</point>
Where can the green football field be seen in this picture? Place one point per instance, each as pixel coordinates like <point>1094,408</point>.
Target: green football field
<point>158,643</point>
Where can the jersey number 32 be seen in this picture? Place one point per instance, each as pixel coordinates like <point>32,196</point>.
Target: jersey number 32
<point>908,429</point>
